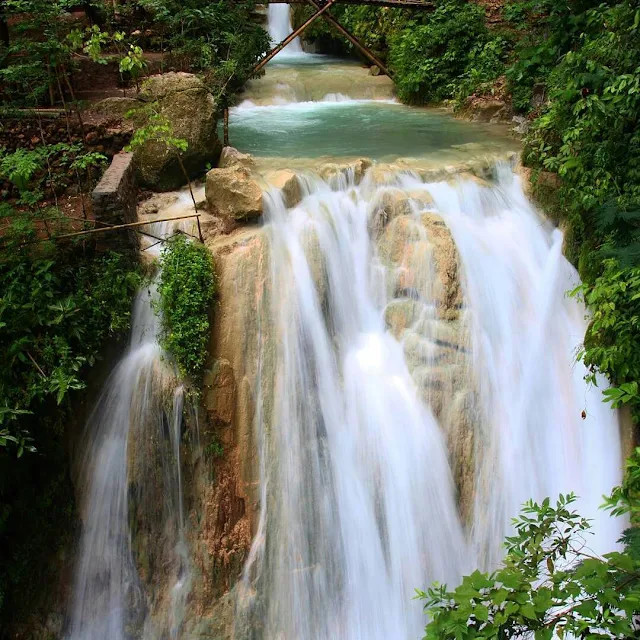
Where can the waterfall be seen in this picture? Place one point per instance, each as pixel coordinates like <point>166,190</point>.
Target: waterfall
<point>279,26</point>
<point>132,496</point>
<point>532,438</point>
<point>423,385</point>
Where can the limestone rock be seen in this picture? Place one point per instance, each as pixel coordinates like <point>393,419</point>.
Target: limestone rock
<point>287,181</point>
<point>521,125</point>
<point>231,157</point>
<point>337,173</point>
<point>220,397</point>
<point>446,262</point>
<point>460,418</point>
<point>485,110</point>
<point>190,109</point>
<point>400,314</point>
<point>425,260</point>
<point>374,70</point>
<point>390,204</point>
<point>233,194</point>
<point>115,107</point>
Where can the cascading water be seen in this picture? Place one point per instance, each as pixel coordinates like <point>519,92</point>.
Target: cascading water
<point>279,26</point>
<point>407,350</point>
<point>131,470</point>
<point>531,438</point>
<point>383,356</point>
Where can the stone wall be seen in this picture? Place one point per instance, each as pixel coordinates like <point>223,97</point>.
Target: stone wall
<point>114,202</point>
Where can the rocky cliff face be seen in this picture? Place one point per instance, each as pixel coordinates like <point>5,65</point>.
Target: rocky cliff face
<point>421,261</point>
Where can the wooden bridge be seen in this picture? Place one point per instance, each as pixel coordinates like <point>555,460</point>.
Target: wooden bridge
<point>322,11</point>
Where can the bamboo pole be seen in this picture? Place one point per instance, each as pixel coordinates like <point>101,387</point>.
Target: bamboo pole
<point>226,127</point>
<point>116,227</point>
<point>352,39</point>
<point>292,36</point>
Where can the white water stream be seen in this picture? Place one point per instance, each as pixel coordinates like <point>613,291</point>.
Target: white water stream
<point>141,406</point>
<point>359,506</point>
<point>279,27</point>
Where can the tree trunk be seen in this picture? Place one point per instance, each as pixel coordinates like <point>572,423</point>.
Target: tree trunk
<point>92,13</point>
<point>4,27</point>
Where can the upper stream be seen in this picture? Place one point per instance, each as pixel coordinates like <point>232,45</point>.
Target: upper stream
<point>392,374</point>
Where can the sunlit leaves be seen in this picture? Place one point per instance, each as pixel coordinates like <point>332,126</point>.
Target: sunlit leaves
<point>550,583</point>
<point>56,311</point>
<point>187,286</point>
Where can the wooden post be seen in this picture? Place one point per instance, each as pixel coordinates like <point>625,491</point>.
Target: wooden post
<point>225,141</point>
<point>200,230</point>
<point>352,39</point>
<point>292,36</point>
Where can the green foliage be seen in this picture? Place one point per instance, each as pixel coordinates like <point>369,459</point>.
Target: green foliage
<point>428,57</point>
<point>216,37</point>
<point>589,136</point>
<point>486,61</point>
<point>157,129</point>
<point>613,337</point>
<point>57,308</point>
<point>27,169</point>
<point>551,584</point>
<point>436,55</point>
<point>44,47</point>
<point>547,30</point>
<point>214,449</point>
<point>187,286</point>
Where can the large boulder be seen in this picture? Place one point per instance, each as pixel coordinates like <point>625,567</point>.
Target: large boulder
<point>233,194</point>
<point>186,104</point>
<point>230,157</point>
<point>115,107</point>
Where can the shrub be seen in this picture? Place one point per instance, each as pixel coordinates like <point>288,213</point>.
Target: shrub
<point>428,57</point>
<point>589,136</point>
<point>486,62</point>
<point>58,308</point>
<point>551,584</point>
<point>547,30</point>
<point>187,286</point>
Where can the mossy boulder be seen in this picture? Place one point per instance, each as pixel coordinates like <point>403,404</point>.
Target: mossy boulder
<point>186,104</point>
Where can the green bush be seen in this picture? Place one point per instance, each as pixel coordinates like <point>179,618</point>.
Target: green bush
<point>551,585</point>
<point>427,58</point>
<point>220,39</point>
<point>589,136</point>
<point>187,286</point>
<point>612,342</point>
<point>486,62</point>
<point>57,309</point>
<point>547,30</point>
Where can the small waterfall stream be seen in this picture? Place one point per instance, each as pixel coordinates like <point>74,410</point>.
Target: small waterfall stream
<point>130,471</point>
<point>279,26</point>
